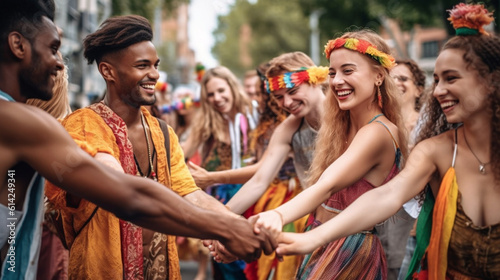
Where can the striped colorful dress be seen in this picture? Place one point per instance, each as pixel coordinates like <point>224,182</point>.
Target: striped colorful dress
<point>358,256</point>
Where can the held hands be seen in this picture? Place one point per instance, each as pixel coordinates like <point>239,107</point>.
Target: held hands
<point>296,244</point>
<point>271,221</point>
<point>200,175</point>
<point>219,252</point>
<point>244,243</point>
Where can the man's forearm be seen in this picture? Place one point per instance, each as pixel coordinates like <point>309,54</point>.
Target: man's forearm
<point>174,215</point>
<point>205,201</point>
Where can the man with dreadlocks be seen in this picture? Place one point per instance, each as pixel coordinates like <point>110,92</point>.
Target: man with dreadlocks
<point>143,145</point>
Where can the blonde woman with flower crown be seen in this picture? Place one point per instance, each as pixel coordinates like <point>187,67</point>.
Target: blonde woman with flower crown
<point>358,148</point>
<point>458,232</point>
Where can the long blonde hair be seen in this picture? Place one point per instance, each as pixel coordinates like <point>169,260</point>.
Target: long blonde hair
<point>332,136</point>
<point>212,125</point>
<point>58,106</point>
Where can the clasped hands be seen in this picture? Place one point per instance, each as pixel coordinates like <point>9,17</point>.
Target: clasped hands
<point>266,225</point>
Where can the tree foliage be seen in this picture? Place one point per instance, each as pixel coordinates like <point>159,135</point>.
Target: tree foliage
<point>144,8</point>
<point>280,26</point>
<point>277,26</point>
<point>340,16</point>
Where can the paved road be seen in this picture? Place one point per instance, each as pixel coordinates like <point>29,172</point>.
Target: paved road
<point>190,268</point>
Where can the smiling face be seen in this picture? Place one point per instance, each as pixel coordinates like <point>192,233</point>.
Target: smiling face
<point>249,84</point>
<point>137,69</point>
<point>352,78</point>
<point>297,101</point>
<point>219,95</point>
<point>42,63</point>
<point>458,89</point>
<point>405,81</point>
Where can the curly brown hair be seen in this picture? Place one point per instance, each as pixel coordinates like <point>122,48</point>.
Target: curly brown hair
<point>418,77</point>
<point>481,53</point>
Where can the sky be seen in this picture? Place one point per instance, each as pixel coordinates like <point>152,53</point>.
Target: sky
<point>202,22</point>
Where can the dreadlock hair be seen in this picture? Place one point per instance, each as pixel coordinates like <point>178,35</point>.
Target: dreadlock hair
<point>114,34</point>
<point>332,136</point>
<point>23,16</point>
<point>418,77</point>
<point>481,53</point>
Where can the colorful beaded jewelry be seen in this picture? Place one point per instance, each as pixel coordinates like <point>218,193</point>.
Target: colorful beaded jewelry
<point>361,46</point>
<point>313,75</point>
<point>184,103</point>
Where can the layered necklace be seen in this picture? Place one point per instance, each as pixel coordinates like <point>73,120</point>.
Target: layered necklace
<point>152,173</point>
<point>482,165</point>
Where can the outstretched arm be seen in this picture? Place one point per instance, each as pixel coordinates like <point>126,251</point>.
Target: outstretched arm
<point>204,178</point>
<point>276,154</point>
<point>360,160</point>
<point>386,199</point>
<point>41,141</point>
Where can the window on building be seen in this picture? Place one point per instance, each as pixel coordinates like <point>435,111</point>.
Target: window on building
<point>430,49</point>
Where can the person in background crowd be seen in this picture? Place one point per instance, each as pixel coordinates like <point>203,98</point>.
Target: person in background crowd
<point>393,234</point>
<point>249,84</point>
<point>223,136</point>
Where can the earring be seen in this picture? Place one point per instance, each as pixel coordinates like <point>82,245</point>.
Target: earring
<point>379,95</point>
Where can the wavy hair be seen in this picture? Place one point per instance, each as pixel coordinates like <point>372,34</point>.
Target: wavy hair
<point>213,126</point>
<point>481,53</point>
<point>418,78</point>
<point>288,62</point>
<point>332,136</point>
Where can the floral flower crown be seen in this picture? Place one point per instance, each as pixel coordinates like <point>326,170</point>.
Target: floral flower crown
<point>184,103</point>
<point>468,19</point>
<point>312,75</point>
<point>361,46</point>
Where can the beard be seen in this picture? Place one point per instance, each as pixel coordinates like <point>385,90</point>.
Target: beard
<point>35,82</point>
<point>136,99</point>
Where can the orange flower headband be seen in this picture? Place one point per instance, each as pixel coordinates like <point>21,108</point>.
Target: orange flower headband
<point>469,19</point>
<point>361,46</point>
<point>313,75</point>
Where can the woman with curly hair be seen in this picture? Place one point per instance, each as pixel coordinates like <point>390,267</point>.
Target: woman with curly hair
<point>358,148</point>
<point>410,80</point>
<point>458,232</point>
